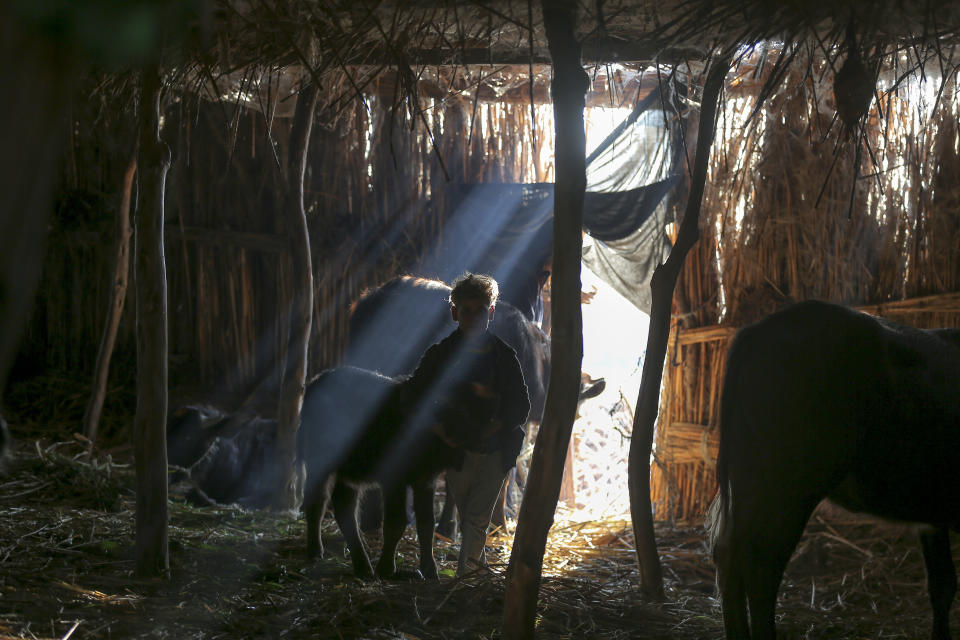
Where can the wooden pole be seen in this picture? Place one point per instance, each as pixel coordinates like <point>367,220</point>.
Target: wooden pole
<point>149,425</point>
<point>301,312</point>
<point>33,133</point>
<point>662,285</point>
<point>118,295</point>
<point>570,84</point>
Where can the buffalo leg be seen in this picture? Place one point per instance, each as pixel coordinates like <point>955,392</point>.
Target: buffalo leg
<point>733,596</point>
<point>941,578</point>
<point>423,514</point>
<point>394,523</point>
<point>315,503</point>
<point>728,556</point>
<point>752,553</point>
<point>769,545</point>
<point>345,510</point>
<point>447,526</point>
<point>371,510</point>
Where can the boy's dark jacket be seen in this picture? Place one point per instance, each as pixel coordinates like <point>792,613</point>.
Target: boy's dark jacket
<point>446,379</point>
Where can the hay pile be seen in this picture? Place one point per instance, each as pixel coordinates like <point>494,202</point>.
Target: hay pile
<point>66,558</point>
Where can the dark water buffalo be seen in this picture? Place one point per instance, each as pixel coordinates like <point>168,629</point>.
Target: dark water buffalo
<point>355,433</point>
<point>822,401</point>
<point>190,430</point>
<point>238,468</point>
<point>392,325</point>
<point>227,458</point>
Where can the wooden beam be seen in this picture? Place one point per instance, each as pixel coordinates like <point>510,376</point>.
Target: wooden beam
<point>294,371</point>
<point>938,303</point>
<point>662,286</point>
<point>32,127</point>
<point>593,51</point>
<point>600,93</point>
<point>150,422</point>
<point>118,295</point>
<point>570,84</point>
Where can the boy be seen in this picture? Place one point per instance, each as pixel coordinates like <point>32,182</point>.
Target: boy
<point>473,389</point>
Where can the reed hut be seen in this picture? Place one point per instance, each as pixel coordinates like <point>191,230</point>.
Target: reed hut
<point>833,174</point>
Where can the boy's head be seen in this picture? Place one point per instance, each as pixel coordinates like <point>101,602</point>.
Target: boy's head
<point>472,302</point>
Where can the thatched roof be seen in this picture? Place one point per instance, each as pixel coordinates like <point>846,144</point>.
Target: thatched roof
<point>405,47</point>
<point>446,32</point>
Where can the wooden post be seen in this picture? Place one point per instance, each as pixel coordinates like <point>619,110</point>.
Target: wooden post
<point>31,127</point>
<point>662,285</point>
<point>570,84</point>
<point>118,295</point>
<point>568,491</point>
<point>149,425</point>
<point>294,371</point>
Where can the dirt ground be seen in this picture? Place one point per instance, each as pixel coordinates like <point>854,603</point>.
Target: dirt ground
<point>66,548</point>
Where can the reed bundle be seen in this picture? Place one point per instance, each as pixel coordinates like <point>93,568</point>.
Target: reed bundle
<point>689,443</point>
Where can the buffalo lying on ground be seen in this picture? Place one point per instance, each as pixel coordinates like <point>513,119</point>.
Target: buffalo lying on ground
<point>225,458</point>
<point>190,430</point>
<point>822,401</point>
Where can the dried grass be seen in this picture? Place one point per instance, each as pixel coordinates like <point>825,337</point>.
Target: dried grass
<point>67,572</point>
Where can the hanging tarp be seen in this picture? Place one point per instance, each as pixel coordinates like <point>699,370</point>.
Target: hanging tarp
<point>620,214</point>
<point>640,160</point>
<point>628,264</point>
<point>506,230</point>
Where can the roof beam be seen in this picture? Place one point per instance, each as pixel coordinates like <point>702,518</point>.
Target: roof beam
<point>609,51</point>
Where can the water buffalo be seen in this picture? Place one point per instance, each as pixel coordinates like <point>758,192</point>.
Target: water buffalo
<point>392,325</point>
<point>227,458</point>
<point>190,431</point>
<point>822,401</point>
<point>239,467</point>
<point>355,432</point>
